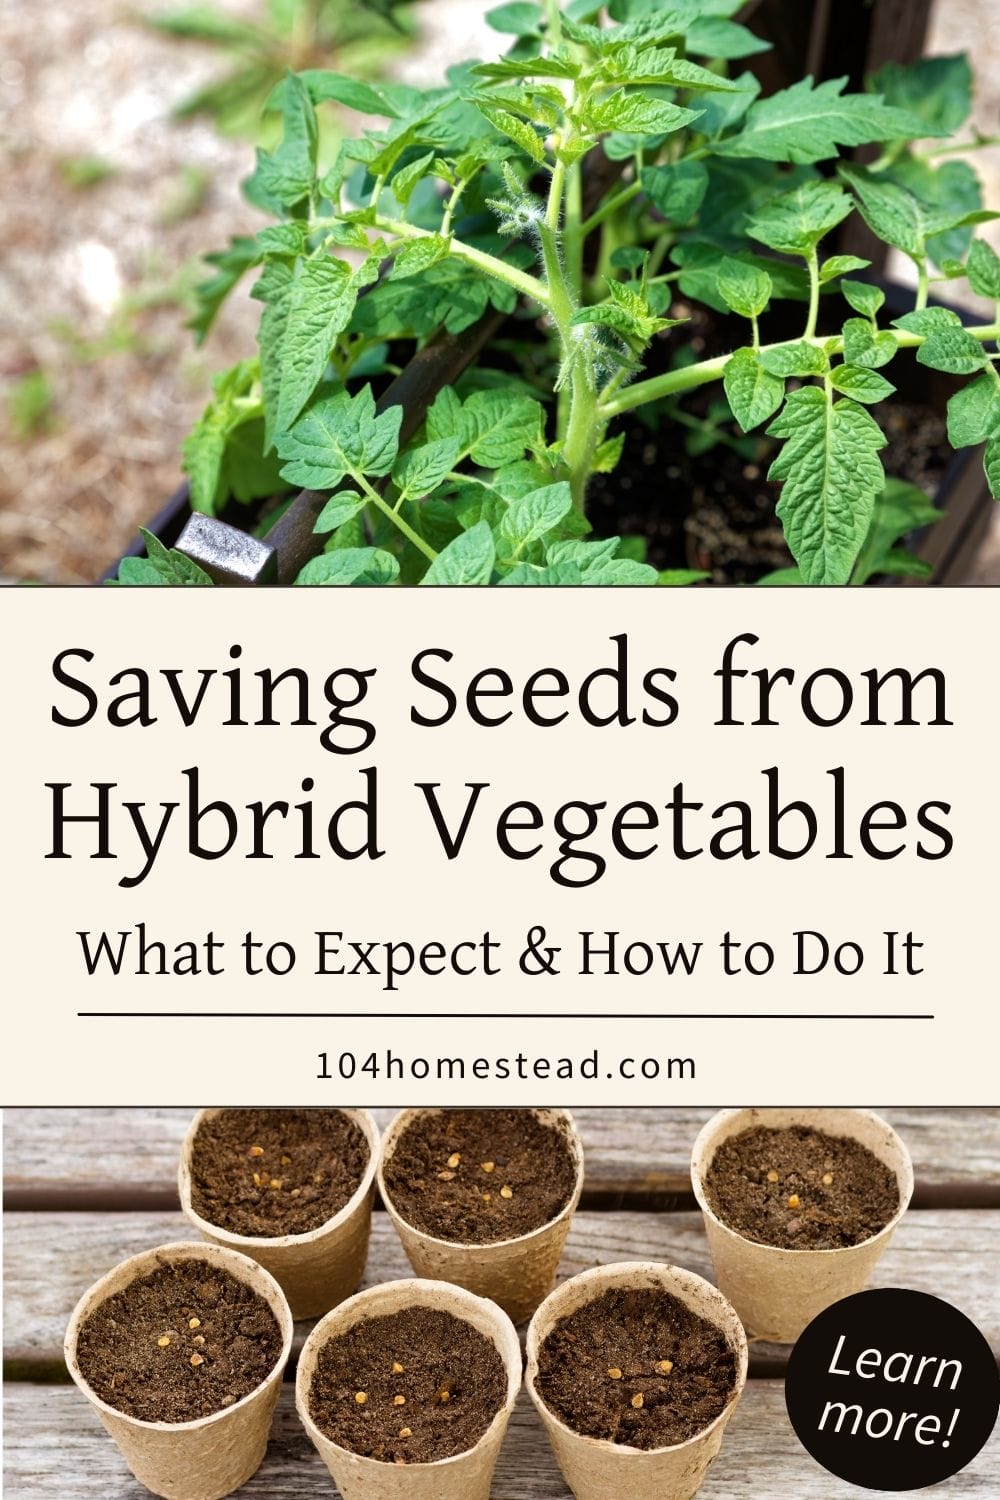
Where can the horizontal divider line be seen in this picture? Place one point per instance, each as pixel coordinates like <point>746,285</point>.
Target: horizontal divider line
<point>331,1015</point>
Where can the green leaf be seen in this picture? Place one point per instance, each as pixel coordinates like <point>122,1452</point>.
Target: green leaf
<point>322,85</point>
<point>890,212</point>
<point>745,289</point>
<point>984,270</point>
<point>289,173</point>
<point>469,559</point>
<point>356,566</point>
<point>274,288</point>
<point>992,465</point>
<point>421,470</point>
<point>230,265</point>
<point>753,393</point>
<point>608,455</point>
<point>598,564</point>
<point>936,89</point>
<point>339,436</point>
<point>338,510</point>
<point>974,413</point>
<point>711,36</point>
<point>953,350</point>
<point>808,123</point>
<point>517,19</point>
<point>928,320</point>
<point>518,131</point>
<point>491,429</point>
<point>899,510</point>
<point>532,515</point>
<point>561,575</point>
<point>637,114</point>
<point>864,298</point>
<point>800,359</point>
<point>841,265</point>
<point>831,474</point>
<point>407,178</point>
<point>782,578</point>
<point>862,346</point>
<point>527,67</point>
<point>417,256</point>
<point>681,577</point>
<point>679,191</point>
<point>139,572</point>
<point>172,566</point>
<point>319,309</point>
<point>865,386</point>
<point>795,222</point>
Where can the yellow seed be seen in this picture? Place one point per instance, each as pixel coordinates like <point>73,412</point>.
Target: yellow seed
<point>615,1373</point>
<point>276,1182</point>
<point>194,1322</point>
<point>361,1397</point>
<point>506,1192</point>
<point>258,1179</point>
<point>487,1197</point>
<point>795,1201</point>
<point>197,1360</point>
<point>665,1366</point>
<point>163,1342</point>
<point>199,1339</point>
<point>827,1179</point>
<point>399,1400</point>
<point>286,1161</point>
<point>446,1177</point>
<point>295,1192</point>
<point>406,1432</point>
<point>455,1159</point>
<point>489,1166</point>
<point>637,1400</point>
<point>397,1368</point>
<point>772,1176</point>
<point>256,1150</point>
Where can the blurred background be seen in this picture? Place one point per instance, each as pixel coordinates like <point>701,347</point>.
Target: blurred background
<point>123,140</point>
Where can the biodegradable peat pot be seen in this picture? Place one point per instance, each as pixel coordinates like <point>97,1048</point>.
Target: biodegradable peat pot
<point>316,1269</point>
<point>778,1292</point>
<point>515,1273</point>
<point>596,1469</point>
<point>210,1457</point>
<point>464,1476</point>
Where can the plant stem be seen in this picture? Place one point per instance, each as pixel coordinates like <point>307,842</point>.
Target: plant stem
<point>620,200</point>
<point>678,382</point>
<point>814,290</point>
<point>554,18</point>
<point>923,285</point>
<point>528,286</point>
<point>396,519</point>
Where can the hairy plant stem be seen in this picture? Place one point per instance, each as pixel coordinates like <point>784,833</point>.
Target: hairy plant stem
<point>678,382</point>
<point>528,286</point>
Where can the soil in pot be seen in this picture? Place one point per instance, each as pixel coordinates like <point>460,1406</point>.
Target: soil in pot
<point>637,1368</point>
<point>801,1189</point>
<point>178,1344</point>
<point>411,1387</point>
<point>479,1176</point>
<point>270,1172</point>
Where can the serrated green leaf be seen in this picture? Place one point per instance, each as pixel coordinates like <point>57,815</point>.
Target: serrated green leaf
<point>992,465</point>
<point>599,565</point>
<point>984,270</point>
<point>559,575</point>
<point>421,470</point>
<point>323,85</point>
<point>712,36</point>
<point>862,346</point>
<point>319,309</point>
<point>173,567</point>
<point>863,385</point>
<point>339,436</point>
<point>681,577</point>
<point>936,89</point>
<point>900,509</point>
<point>532,515</point>
<point>274,288</point>
<point>288,174</point>
<point>637,114</point>
<point>608,455</point>
<point>528,67</point>
<point>417,256</point>
<point>518,131</point>
<point>810,122</point>
<point>230,265</point>
<point>974,413</point>
<point>491,429</point>
<point>139,572</point>
<point>800,359</point>
<point>356,567</point>
<point>953,350</point>
<point>891,213</point>
<point>865,299</point>
<point>927,320</point>
<point>469,559</point>
<point>745,289</point>
<point>841,265</point>
<point>782,578</point>
<point>679,191</point>
<point>831,475</point>
<point>520,18</point>
<point>338,510</point>
<point>796,221</point>
<point>753,393</point>
<point>407,178</point>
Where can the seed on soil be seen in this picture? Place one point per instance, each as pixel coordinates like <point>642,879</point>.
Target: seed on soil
<point>446,1177</point>
<point>196,1360</point>
<point>397,1368</point>
<point>405,1432</point>
<point>199,1338</point>
<point>665,1366</point>
<point>827,1179</point>
<point>795,1201</point>
<point>163,1342</point>
<point>455,1159</point>
<point>487,1197</point>
<point>443,1392</point>
<point>361,1397</point>
<point>615,1373</point>
<point>256,1150</point>
<point>399,1400</point>
<point>258,1179</point>
<point>506,1192</point>
<point>772,1177</point>
<point>194,1322</point>
<point>489,1166</point>
<point>286,1161</point>
<point>276,1183</point>
<point>637,1400</point>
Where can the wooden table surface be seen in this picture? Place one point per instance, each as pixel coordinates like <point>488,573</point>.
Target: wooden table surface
<point>83,1189</point>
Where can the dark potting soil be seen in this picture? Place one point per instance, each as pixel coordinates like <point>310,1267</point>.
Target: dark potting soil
<point>183,1342</point>
<point>800,1188</point>
<point>477,1176</point>
<point>270,1172</point>
<point>636,1367</point>
<point>410,1387</point>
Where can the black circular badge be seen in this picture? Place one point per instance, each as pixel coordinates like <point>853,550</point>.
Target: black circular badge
<point>892,1390</point>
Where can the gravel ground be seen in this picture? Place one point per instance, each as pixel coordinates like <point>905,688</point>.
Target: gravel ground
<point>93,281</point>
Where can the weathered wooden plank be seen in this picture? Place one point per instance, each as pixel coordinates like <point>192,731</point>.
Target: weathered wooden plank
<point>50,1259</point>
<point>55,1447</point>
<point>115,1158</point>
